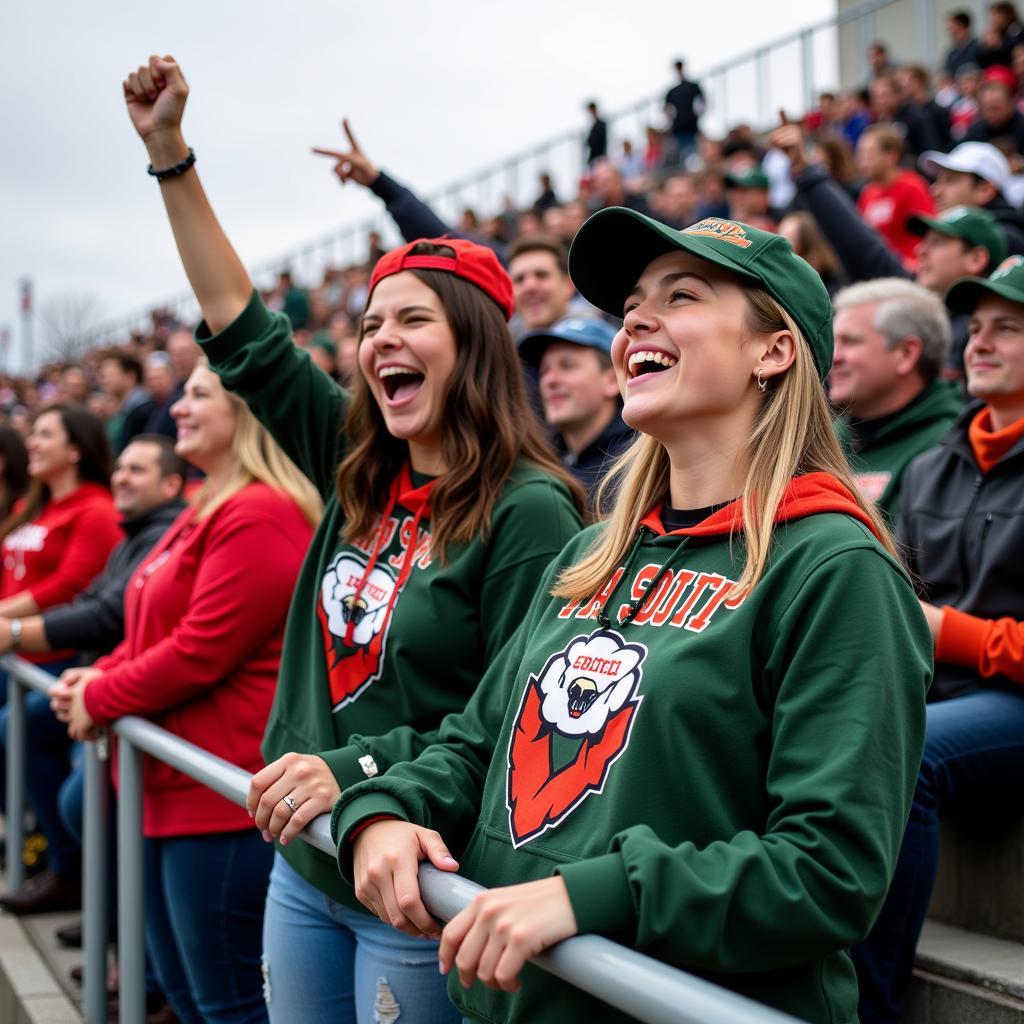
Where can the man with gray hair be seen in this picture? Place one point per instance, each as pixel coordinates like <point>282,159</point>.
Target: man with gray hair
<point>891,340</point>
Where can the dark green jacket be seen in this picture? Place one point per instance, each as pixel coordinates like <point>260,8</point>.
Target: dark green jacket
<point>723,783</point>
<point>878,465</point>
<point>396,674</point>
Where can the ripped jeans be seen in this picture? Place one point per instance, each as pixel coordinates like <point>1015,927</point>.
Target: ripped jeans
<point>327,964</point>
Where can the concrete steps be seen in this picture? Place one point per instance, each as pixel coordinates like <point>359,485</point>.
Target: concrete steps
<point>29,990</point>
<point>970,961</point>
<point>964,977</point>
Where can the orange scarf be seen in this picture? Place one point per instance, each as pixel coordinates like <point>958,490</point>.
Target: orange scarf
<point>989,445</point>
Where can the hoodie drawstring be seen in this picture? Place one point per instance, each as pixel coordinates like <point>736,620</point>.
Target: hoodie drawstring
<point>378,543</point>
<point>635,606</point>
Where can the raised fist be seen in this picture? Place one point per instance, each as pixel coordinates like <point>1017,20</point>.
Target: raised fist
<point>155,95</point>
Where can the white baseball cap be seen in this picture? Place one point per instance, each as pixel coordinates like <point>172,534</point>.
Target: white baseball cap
<point>980,158</point>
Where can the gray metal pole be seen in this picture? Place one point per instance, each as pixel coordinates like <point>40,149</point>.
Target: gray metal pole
<point>95,877</point>
<point>763,80</point>
<point>646,989</point>
<point>807,68</point>
<point>15,740</point>
<point>925,16</point>
<point>866,26</point>
<point>130,940</point>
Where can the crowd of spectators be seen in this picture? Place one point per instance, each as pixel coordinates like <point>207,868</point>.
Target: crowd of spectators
<point>892,192</point>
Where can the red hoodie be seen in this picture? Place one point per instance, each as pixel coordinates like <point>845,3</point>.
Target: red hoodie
<point>56,555</point>
<point>204,623</point>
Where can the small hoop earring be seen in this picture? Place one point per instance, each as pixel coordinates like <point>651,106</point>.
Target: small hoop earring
<point>762,384</point>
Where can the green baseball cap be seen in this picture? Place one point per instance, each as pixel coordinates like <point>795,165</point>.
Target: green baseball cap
<point>612,249</point>
<point>974,225</point>
<point>1006,281</point>
<point>751,177</point>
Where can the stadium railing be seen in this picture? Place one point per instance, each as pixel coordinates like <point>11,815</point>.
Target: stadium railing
<point>647,989</point>
<point>783,61</point>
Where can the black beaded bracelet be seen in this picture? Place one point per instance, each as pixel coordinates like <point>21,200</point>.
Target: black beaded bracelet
<point>173,172</point>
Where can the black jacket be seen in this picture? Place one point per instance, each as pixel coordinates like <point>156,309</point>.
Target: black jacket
<point>964,535</point>
<point>590,465</point>
<point>982,131</point>
<point>415,219</point>
<point>94,622</point>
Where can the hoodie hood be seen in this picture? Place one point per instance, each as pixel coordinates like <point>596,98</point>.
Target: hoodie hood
<point>807,495</point>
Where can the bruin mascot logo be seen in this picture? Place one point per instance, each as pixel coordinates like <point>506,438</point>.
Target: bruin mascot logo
<point>352,667</point>
<point>586,693</point>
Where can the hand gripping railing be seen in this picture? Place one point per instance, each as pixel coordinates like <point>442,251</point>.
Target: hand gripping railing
<point>647,989</point>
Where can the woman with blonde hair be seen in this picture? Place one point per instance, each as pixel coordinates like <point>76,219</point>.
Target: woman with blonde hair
<point>204,624</point>
<point>704,739</point>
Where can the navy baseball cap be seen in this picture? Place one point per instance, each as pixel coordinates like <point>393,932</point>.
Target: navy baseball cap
<point>578,330</point>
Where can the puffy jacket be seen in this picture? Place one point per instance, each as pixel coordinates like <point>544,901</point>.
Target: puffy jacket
<point>964,531</point>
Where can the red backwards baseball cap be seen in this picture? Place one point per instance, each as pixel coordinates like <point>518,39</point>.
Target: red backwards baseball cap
<point>472,262</point>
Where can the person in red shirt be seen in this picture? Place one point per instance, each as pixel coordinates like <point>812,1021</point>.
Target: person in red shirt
<point>56,539</point>
<point>891,193</point>
<point>204,623</point>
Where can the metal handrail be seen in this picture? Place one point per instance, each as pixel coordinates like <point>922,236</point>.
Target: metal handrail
<point>508,169</point>
<point>641,986</point>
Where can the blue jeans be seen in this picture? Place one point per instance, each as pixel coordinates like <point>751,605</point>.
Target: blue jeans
<point>204,914</point>
<point>972,765</point>
<point>49,763</point>
<point>327,964</point>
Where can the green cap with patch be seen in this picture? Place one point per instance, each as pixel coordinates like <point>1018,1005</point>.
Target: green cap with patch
<point>613,248</point>
<point>1006,281</point>
<point>750,177</point>
<point>974,225</point>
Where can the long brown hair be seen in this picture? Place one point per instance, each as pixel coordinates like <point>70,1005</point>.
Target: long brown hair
<point>488,426</point>
<point>85,432</point>
<point>792,435</point>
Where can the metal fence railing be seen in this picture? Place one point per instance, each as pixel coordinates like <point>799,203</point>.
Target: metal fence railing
<point>751,87</point>
<point>647,989</point>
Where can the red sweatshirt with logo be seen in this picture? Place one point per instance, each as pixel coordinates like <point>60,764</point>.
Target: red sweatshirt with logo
<point>204,621</point>
<point>56,555</point>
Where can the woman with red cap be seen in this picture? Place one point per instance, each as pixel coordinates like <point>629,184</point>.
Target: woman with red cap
<point>444,506</point>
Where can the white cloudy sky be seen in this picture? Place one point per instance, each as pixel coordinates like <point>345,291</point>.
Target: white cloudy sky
<point>436,90</point>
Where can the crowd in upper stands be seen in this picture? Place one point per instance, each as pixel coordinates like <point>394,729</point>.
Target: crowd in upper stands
<point>895,193</point>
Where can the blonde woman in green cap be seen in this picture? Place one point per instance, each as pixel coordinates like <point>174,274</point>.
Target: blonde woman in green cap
<point>704,737</point>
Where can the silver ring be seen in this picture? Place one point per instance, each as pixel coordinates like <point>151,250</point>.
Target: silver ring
<point>290,801</point>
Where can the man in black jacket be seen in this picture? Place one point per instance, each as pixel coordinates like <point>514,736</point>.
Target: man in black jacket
<point>962,525</point>
<point>147,486</point>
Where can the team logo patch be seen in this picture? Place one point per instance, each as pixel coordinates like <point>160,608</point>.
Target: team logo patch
<point>722,230</point>
<point>587,695</point>
<point>1011,263</point>
<point>353,666</point>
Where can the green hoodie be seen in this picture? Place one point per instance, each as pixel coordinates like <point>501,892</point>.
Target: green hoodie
<point>383,640</point>
<point>878,465</point>
<point>723,782</point>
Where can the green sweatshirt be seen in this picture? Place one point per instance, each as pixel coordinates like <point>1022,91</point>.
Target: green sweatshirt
<point>723,782</point>
<point>382,640</point>
<point>878,465</point>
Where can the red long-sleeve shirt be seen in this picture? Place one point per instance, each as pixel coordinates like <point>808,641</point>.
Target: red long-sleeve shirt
<point>887,207</point>
<point>204,623</point>
<point>56,555</point>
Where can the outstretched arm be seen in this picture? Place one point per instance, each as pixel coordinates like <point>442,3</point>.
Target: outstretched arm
<point>155,95</point>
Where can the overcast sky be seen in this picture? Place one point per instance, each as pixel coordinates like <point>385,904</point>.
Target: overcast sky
<point>435,91</point>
